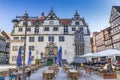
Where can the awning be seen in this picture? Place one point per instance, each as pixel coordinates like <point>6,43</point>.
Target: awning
<point>80,60</point>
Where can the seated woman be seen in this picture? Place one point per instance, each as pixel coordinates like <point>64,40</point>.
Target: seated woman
<point>109,66</point>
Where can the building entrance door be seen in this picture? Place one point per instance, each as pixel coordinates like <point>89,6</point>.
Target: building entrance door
<point>51,53</point>
<point>49,62</point>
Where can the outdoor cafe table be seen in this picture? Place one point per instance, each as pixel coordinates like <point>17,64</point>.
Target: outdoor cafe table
<point>73,73</point>
<point>49,74</point>
<point>67,67</point>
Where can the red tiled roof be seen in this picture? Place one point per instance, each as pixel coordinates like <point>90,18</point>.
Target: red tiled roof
<point>65,21</point>
<point>39,19</point>
<point>33,21</point>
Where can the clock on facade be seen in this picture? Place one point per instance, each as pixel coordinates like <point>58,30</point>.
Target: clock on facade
<point>51,22</point>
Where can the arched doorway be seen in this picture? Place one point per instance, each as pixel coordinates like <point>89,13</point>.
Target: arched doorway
<point>51,51</point>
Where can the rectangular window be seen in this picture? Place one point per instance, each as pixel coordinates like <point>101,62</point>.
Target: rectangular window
<point>81,30</point>
<point>61,38</point>
<point>14,58</point>
<point>37,30</point>
<point>16,38</point>
<point>76,23</point>
<point>40,39</point>
<point>15,48</point>
<point>28,29</point>
<point>80,39</point>
<point>31,39</point>
<point>51,38</point>
<point>46,29</point>
<point>73,29</point>
<point>22,38</point>
<point>20,29</point>
<point>55,28</point>
<point>65,30</point>
<point>31,48</point>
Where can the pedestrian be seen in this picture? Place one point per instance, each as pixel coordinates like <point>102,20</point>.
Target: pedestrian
<point>28,73</point>
<point>76,67</point>
<point>109,66</point>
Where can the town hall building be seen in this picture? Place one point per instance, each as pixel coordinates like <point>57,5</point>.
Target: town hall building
<point>46,34</point>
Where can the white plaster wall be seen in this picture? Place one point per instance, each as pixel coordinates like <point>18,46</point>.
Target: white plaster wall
<point>68,49</point>
<point>14,53</point>
<point>60,30</point>
<point>46,22</point>
<point>85,30</point>
<point>87,46</point>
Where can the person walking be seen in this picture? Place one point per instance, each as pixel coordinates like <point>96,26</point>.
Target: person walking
<point>28,73</point>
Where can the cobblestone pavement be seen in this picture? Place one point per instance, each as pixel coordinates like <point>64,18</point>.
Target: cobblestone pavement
<point>37,75</point>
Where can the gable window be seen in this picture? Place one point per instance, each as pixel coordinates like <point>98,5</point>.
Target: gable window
<point>55,28</point>
<point>73,29</point>
<point>31,39</point>
<point>36,30</point>
<point>61,38</point>
<point>40,39</point>
<point>65,30</point>
<point>76,23</point>
<point>46,29</point>
<point>20,29</point>
<point>51,38</point>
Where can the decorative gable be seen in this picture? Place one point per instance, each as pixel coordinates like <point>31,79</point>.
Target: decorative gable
<point>51,15</point>
<point>115,12</point>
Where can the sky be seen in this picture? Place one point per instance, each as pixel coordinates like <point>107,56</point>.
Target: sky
<point>96,12</point>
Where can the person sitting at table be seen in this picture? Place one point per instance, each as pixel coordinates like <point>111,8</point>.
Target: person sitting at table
<point>89,63</point>
<point>109,66</point>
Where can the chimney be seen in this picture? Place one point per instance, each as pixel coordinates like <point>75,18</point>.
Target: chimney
<point>42,14</point>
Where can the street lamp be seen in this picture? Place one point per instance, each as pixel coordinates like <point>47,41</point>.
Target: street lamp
<point>25,18</point>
